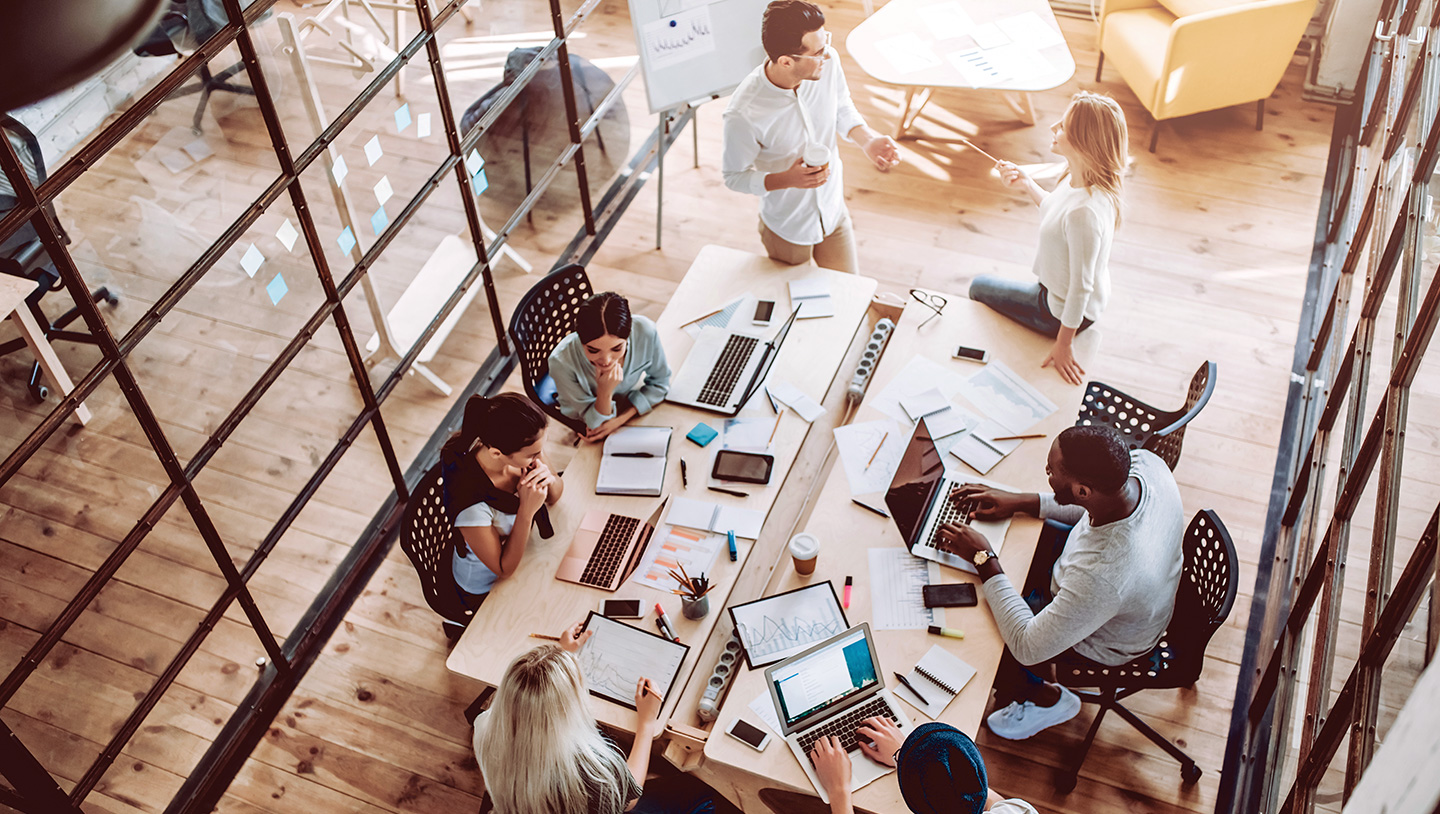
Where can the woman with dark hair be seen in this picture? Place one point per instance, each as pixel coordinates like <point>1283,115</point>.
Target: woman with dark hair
<point>497,485</point>
<point>611,369</point>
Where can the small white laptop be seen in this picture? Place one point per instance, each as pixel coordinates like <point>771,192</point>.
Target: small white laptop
<point>919,503</point>
<point>725,368</point>
<point>828,690</point>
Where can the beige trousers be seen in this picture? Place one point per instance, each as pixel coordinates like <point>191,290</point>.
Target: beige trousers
<point>837,251</point>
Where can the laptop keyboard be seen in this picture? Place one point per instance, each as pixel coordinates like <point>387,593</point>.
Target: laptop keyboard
<point>844,726</point>
<point>950,511</point>
<point>727,370</point>
<point>605,559</point>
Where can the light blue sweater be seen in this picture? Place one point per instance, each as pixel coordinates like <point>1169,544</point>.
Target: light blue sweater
<point>644,361</point>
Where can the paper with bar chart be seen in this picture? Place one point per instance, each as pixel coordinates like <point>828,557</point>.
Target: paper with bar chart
<point>615,659</point>
<point>777,627</point>
<point>695,550</point>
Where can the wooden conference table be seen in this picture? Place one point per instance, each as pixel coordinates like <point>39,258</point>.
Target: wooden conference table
<point>846,531</point>
<point>534,601</point>
<point>926,44</point>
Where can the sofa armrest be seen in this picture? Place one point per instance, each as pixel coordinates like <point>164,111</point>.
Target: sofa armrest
<point>1108,6</point>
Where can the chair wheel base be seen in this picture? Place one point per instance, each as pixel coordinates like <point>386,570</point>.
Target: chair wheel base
<point>39,392</point>
<point>1190,774</point>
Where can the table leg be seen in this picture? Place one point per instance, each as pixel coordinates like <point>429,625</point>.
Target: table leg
<point>45,355</point>
<point>1020,103</point>
<point>900,126</point>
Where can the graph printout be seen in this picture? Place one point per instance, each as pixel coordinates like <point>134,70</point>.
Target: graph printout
<point>777,627</point>
<point>695,550</point>
<point>681,38</point>
<point>615,659</point>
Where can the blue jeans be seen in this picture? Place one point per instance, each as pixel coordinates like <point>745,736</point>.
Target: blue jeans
<point>1022,302</point>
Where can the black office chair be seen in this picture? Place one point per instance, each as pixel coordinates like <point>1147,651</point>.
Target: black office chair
<point>428,537</point>
<point>1143,426</point>
<point>1209,580</point>
<point>188,24</point>
<point>545,315</point>
<point>23,255</point>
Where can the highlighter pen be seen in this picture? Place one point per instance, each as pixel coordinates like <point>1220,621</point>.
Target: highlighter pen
<point>664,622</point>
<point>684,475</point>
<point>848,582</point>
<point>734,555</point>
<point>954,633</point>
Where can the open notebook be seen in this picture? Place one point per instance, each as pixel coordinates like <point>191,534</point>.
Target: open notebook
<point>940,676</point>
<point>699,514</point>
<point>633,462</point>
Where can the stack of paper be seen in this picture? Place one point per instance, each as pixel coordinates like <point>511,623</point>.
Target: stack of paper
<point>812,296</point>
<point>633,462</point>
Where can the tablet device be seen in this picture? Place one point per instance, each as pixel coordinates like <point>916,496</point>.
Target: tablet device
<point>618,655</point>
<point>744,467</point>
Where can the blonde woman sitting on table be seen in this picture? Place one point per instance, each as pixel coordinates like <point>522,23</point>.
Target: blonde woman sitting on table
<point>1077,223</point>
<point>497,484</point>
<point>541,752</point>
<point>611,369</point>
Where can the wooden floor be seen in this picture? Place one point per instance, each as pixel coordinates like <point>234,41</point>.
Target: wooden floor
<point>1209,264</point>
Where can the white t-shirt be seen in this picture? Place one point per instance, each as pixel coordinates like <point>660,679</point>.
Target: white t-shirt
<point>1073,256</point>
<point>471,574</point>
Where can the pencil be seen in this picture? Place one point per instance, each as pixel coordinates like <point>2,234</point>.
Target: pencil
<point>1018,437</point>
<point>547,637</point>
<point>649,691</point>
<point>774,429</point>
<point>707,316</point>
<point>878,447</point>
<point>974,147</point>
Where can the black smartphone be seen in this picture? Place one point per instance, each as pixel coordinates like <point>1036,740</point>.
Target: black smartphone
<point>971,354</point>
<point>764,310</point>
<point>620,608</point>
<point>954,595</point>
<point>752,736</point>
<point>745,467</point>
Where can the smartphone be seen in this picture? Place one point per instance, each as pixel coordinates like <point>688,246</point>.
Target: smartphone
<point>971,354</point>
<point>954,595</point>
<point>764,310</point>
<point>620,608</point>
<point>752,736</point>
<point>745,467</point>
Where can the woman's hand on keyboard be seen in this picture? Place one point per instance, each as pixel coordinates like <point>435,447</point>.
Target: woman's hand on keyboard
<point>880,739</point>
<point>832,766</point>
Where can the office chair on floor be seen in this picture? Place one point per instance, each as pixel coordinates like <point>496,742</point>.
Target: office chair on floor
<point>190,23</point>
<point>1209,580</point>
<point>544,316</point>
<point>428,537</point>
<point>1143,426</point>
<point>23,255</point>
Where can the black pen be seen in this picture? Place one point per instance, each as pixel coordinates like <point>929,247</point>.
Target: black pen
<point>911,688</point>
<point>727,491</point>
<point>632,455</point>
<point>868,507</point>
<point>684,475</point>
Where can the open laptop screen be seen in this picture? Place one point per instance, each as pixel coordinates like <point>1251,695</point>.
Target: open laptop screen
<point>837,670</point>
<point>915,481</point>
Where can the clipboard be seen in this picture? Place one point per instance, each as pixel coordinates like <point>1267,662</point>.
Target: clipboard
<point>772,619</point>
<point>619,654</point>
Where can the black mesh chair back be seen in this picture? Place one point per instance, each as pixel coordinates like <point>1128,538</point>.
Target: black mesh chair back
<point>428,538</point>
<point>544,316</point>
<point>1143,426</point>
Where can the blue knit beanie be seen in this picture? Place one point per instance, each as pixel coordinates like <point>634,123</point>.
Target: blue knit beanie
<point>941,771</point>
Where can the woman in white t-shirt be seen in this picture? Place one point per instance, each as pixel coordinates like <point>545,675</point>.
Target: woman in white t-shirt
<point>1077,223</point>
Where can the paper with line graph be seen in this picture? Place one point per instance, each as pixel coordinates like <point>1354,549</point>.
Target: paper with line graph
<point>672,40</point>
<point>897,582</point>
<point>618,655</point>
<point>777,627</point>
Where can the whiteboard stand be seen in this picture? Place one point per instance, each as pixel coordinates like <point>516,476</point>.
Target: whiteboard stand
<point>666,117</point>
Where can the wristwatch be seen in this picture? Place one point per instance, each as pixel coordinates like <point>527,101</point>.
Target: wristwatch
<point>982,557</point>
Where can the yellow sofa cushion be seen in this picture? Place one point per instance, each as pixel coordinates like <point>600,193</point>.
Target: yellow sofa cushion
<point>1185,8</point>
<point>1134,43</point>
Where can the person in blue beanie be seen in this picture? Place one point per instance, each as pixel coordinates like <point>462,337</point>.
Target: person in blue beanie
<point>939,769</point>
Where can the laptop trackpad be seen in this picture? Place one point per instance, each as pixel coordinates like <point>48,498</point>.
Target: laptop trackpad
<point>864,771</point>
<point>594,521</point>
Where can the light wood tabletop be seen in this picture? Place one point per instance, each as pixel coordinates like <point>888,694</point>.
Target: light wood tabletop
<point>847,531</point>
<point>534,601</point>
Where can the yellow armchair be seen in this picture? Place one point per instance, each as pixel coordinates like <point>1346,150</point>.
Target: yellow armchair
<point>1189,56</point>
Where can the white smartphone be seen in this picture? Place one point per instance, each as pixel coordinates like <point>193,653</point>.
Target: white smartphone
<point>971,354</point>
<point>752,736</point>
<point>764,310</point>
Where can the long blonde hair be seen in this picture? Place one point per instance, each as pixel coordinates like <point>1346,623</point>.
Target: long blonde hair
<point>539,749</point>
<point>1095,127</point>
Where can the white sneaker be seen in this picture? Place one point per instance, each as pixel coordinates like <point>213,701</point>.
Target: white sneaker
<point>1019,721</point>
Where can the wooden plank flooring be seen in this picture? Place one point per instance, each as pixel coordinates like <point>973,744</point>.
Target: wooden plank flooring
<point>1210,263</point>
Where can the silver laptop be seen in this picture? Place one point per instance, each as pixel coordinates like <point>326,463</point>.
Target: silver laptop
<point>919,503</point>
<point>828,690</point>
<point>725,368</point>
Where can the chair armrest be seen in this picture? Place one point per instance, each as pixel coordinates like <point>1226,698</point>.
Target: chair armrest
<point>1108,6</point>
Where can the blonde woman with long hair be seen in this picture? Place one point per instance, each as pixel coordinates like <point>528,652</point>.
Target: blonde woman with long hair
<point>1077,224</point>
<point>540,751</point>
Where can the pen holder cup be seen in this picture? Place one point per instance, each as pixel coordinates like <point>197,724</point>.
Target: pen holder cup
<point>694,608</point>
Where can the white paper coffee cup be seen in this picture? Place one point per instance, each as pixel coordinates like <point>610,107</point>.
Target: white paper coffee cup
<point>815,155</point>
<point>805,550</point>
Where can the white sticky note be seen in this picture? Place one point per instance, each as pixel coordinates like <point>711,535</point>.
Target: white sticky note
<point>372,150</point>
<point>422,125</point>
<point>252,260</point>
<point>474,163</point>
<point>287,234</point>
<point>340,170</point>
<point>198,149</point>
<point>402,117</point>
<point>175,161</point>
<point>383,190</point>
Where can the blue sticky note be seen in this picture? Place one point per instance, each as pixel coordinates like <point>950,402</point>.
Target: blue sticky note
<point>480,181</point>
<point>276,289</point>
<point>346,240</point>
<point>379,221</point>
<point>702,434</point>
<point>402,118</point>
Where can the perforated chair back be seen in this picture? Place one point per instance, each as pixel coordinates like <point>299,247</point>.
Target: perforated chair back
<point>428,538</point>
<point>544,316</point>
<point>1143,426</point>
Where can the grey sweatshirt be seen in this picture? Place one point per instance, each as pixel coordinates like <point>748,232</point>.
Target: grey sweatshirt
<point>1114,585</point>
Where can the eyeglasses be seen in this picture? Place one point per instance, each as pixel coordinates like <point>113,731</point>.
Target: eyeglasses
<point>824,52</point>
<point>934,302</point>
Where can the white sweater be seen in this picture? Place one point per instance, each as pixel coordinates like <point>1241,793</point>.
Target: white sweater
<point>1073,258</point>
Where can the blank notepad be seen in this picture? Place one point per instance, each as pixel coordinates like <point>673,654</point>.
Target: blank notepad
<point>940,675</point>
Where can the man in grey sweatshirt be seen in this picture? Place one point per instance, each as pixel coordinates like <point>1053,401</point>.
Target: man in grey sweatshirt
<point>1113,584</point>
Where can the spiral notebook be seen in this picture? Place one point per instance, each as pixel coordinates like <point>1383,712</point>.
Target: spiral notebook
<point>940,676</point>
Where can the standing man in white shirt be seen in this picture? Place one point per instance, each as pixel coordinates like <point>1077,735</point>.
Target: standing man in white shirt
<point>797,100</point>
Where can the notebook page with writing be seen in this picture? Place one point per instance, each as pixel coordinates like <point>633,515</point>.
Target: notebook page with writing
<point>940,676</point>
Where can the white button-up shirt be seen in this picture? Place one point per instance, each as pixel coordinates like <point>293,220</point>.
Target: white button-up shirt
<point>765,132</point>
